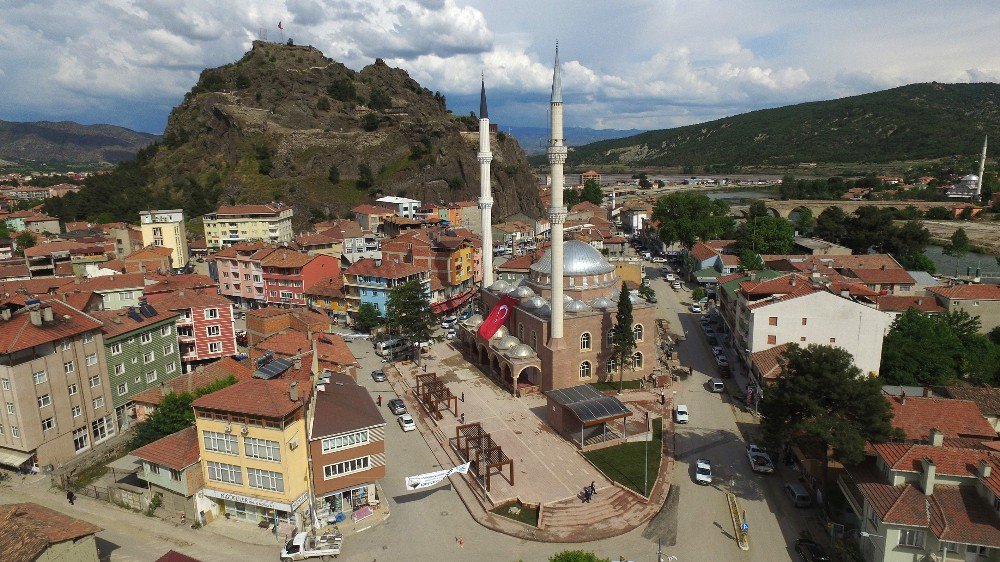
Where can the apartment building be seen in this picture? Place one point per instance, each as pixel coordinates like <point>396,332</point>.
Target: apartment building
<point>108,292</point>
<point>54,384</point>
<point>204,324</point>
<point>287,273</point>
<point>452,257</point>
<point>347,446</point>
<point>402,206</point>
<point>166,229</point>
<point>372,280</point>
<point>240,274</point>
<point>327,296</point>
<point>252,444</point>
<point>982,300</point>
<point>142,352</point>
<point>171,467</point>
<point>232,224</point>
<point>356,243</point>
<point>371,217</point>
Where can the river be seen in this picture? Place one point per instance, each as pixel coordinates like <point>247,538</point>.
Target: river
<point>987,265</point>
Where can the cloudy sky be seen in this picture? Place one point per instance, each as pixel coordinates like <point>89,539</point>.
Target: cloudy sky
<point>627,63</point>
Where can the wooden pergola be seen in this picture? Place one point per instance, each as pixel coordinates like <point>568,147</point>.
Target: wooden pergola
<point>423,379</point>
<point>434,393</point>
<point>488,455</point>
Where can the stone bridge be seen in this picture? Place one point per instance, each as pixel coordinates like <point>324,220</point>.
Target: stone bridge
<point>783,209</point>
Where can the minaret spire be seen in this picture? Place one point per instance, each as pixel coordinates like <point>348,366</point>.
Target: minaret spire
<point>485,157</point>
<point>557,211</point>
<point>982,169</point>
<point>556,79</point>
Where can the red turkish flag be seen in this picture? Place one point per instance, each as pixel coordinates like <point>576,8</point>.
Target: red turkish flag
<point>499,315</point>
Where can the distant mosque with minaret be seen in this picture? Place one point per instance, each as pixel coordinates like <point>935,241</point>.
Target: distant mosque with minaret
<point>558,334</point>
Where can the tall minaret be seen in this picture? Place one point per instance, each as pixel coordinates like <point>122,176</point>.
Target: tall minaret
<point>485,194</point>
<point>982,168</point>
<point>557,212</point>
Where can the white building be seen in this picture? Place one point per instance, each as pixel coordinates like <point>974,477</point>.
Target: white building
<point>404,207</point>
<point>166,228</point>
<point>232,224</point>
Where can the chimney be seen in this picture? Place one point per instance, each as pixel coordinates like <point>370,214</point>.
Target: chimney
<point>928,471</point>
<point>298,363</point>
<point>937,438</point>
<point>928,392</point>
<point>47,314</point>
<point>293,391</point>
<point>792,282</point>
<point>845,293</point>
<point>985,470</point>
<point>902,398</point>
<point>5,314</point>
<point>36,316</point>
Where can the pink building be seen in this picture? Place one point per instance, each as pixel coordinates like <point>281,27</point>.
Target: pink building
<point>287,273</point>
<point>240,275</point>
<point>204,327</point>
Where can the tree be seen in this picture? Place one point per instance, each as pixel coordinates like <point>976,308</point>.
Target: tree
<point>334,174</point>
<point>592,192</point>
<point>697,294</point>
<point>368,318</point>
<point>380,100</point>
<point>26,239</point>
<point>570,197</point>
<point>830,225</point>
<point>409,312</point>
<point>938,214</point>
<point>173,414</point>
<point>822,397</point>
<point>959,246</point>
<point>963,324</point>
<point>765,235</point>
<point>750,261</point>
<point>994,335</point>
<point>920,349</point>
<point>917,262</point>
<point>366,179</point>
<point>323,103</point>
<point>576,556</point>
<point>622,336</point>
<point>342,89</point>
<point>757,209</point>
<point>687,217</point>
<point>804,221</point>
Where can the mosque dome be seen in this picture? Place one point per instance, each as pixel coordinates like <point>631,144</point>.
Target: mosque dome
<point>567,299</point>
<point>601,302</point>
<point>534,302</point>
<point>521,350</point>
<point>523,292</point>
<point>501,333</point>
<point>577,306</point>
<point>474,321</point>
<point>545,309</point>
<point>971,177</point>
<point>579,258</point>
<point>500,286</point>
<point>507,342</point>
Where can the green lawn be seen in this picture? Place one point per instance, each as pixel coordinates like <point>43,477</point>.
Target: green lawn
<point>625,463</point>
<point>527,515</point>
<point>609,385</point>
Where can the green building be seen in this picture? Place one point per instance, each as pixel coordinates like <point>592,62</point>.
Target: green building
<point>141,351</point>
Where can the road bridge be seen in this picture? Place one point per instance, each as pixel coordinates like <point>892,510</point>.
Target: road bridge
<point>784,208</point>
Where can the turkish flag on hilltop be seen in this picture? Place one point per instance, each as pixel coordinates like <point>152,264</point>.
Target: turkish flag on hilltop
<point>499,315</point>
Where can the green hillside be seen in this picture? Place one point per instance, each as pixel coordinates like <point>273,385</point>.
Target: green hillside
<point>918,121</point>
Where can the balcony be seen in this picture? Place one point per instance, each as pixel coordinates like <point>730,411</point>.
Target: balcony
<point>185,321</point>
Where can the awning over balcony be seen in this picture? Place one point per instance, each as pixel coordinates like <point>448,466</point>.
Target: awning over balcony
<point>453,302</point>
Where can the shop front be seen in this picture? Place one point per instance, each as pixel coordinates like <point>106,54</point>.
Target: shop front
<point>257,510</point>
<point>356,502</point>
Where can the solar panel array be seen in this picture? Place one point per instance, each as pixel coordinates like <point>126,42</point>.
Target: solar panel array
<point>134,315</point>
<point>147,310</point>
<point>272,369</point>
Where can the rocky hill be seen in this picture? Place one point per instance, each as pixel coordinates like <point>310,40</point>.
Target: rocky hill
<point>919,121</point>
<point>69,142</point>
<point>286,123</point>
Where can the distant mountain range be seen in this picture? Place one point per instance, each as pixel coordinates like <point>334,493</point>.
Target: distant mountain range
<point>919,121</point>
<point>534,139</point>
<point>69,142</point>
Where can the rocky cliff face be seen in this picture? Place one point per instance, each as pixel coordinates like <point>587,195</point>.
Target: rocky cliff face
<point>286,123</point>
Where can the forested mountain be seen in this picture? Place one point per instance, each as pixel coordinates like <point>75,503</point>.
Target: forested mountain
<point>69,142</point>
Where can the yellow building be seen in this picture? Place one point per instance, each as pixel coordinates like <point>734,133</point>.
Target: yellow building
<point>253,443</point>
<point>232,224</point>
<point>327,296</point>
<point>463,263</point>
<point>166,228</point>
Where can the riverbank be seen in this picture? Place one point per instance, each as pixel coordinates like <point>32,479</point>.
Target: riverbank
<point>984,236</point>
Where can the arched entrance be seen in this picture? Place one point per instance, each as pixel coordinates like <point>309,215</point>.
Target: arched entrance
<point>529,376</point>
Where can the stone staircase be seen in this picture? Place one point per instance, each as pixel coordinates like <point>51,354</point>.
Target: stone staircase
<point>573,516</point>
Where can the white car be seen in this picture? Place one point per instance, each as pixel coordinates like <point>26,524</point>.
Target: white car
<point>696,309</point>
<point>659,259</point>
<point>448,322</point>
<point>406,422</point>
<point>681,413</point>
<point>670,277</point>
<point>703,472</point>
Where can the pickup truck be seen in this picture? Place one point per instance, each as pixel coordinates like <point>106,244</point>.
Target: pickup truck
<point>759,460</point>
<point>304,546</point>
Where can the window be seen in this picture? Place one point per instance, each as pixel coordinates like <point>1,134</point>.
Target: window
<point>39,377</point>
<point>65,343</point>
<point>833,340</point>
<point>15,431</point>
<point>215,347</point>
<point>772,339</point>
<point>72,389</point>
<point>211,313</point>
<point>611,365</point>
<point>213,331</point>
<point>146,337</point>
<point>637,360</point>
<point>76,411</point>
<point>911,537</point>
<point>47,424</point>
<point>520,331</point>
<point>175,475</point>
<point>585,370</point>
<point>637,332</point>
<point>94,381</point>
<point>773,320</point>
<point>802,338</point>
<point>123,389</point>
<point>346,467</point>
<point>171,367</point>
<point>44,400</point>
<point>6,384</point>
<point>262,449</point>
<point>116,348</point>
<point>148,357</point>
<point>611,337</point>
<point>165,331</point>
<point>585,341</point>
<point>120,369</point>
<point>534,340</point>
<point>345,441</point>
<point>10,408</point>
<point>91,359</point>
<point>222,472</point>
<point>98,402</point>
<point>804,321</point>
<point>168,349</point>
<point>265,480</point>
<point>151,376</point>
<point>68,367</point>
<point>102,429</point>
<point>88,337</point>
<point>153,468</point>
<point>220,442</point>
<point>949,546</point>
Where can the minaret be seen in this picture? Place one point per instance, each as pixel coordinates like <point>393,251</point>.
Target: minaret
<point>982,168</point>
<point>485,193</point>
<point>557,212</point>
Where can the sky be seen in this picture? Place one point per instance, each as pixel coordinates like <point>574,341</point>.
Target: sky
<point>642,64</point>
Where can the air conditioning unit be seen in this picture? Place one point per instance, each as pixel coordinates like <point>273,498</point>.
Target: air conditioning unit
<point>244,430</point>
<point>293,444</point>
<point>229,428</point>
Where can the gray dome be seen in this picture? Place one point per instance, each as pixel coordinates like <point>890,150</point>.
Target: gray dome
<point>523,292</point>
<point>521,350</point>
<point>579,258</point>
<point>500,286</point>
<point>501,333</point>
<point>474,321</point>
<point>567,299</point>
<point>634,297</point>
<point>577,306</point>
<point>971,177</point>
<point>545,309</point>
<point>507,342</point>
<point>534,302</point>
<point>601,302</point>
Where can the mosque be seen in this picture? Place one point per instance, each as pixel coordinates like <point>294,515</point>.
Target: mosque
<point>558,334</point>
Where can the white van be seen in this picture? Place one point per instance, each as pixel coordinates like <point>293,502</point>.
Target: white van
<point>389,348</point>
<point>717,385</point>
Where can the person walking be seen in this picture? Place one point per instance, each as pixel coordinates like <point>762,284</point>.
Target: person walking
<point>70,496</point>
<point>379,400</point>
<point>593,487</point>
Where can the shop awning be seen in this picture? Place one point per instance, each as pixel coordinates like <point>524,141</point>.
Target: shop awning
<point>10,457</point>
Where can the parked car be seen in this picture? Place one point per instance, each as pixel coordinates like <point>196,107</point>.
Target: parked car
<point>717,351</point>
<point>448,322</point>
<point>681,413</point>
<point>406,422</point>
<point>798,494</point>
<point>810,551</point>
<point>759,460</point>
<point>703,472</point>
<point>695,308</point>
<point>659,259</point>
<point>651,298</point>
<point>378,376</point>
<point>670,277</point>
<point>396,406</point>
<point>721,361</point>
<point>676,285</point>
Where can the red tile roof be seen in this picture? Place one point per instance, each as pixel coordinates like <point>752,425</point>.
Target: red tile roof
<point>332,287</point>
<point>768,362</point>
<point>29,529</point>
<point>266,209</point>
<point>986,397</point>
<point>286,258</point>
<point>150,253</point>
<point>366,209</point>
<point>894,303</point>
<point>19,333</point>
<point>968,292</point>
<point>882,275</point>
<point>953,418</point>
<point>388,269</point>
<point>170,282</point>
<point>331,347</point>
<point>200,378</point>
<point>118,322</point>
<point>702,251</point>
<point>255,397</point>
<point>189,298</point>
<point>106,283</point>
<point>177,450</point>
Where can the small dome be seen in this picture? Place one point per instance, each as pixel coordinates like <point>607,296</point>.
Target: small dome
<point>534,302</point>
<point>500,286</point>
<point>501,333</point>
<point>971,177</point>
<point>634,296</point>
<point>507,342</point>
<point>602,302</point>
<point>521,350</point>
<point>567,299</point>
<point>474,321</point>
<point>577,306</point>
<point>545,309</point>
<point>579,258</point>
<point>523,292</point>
